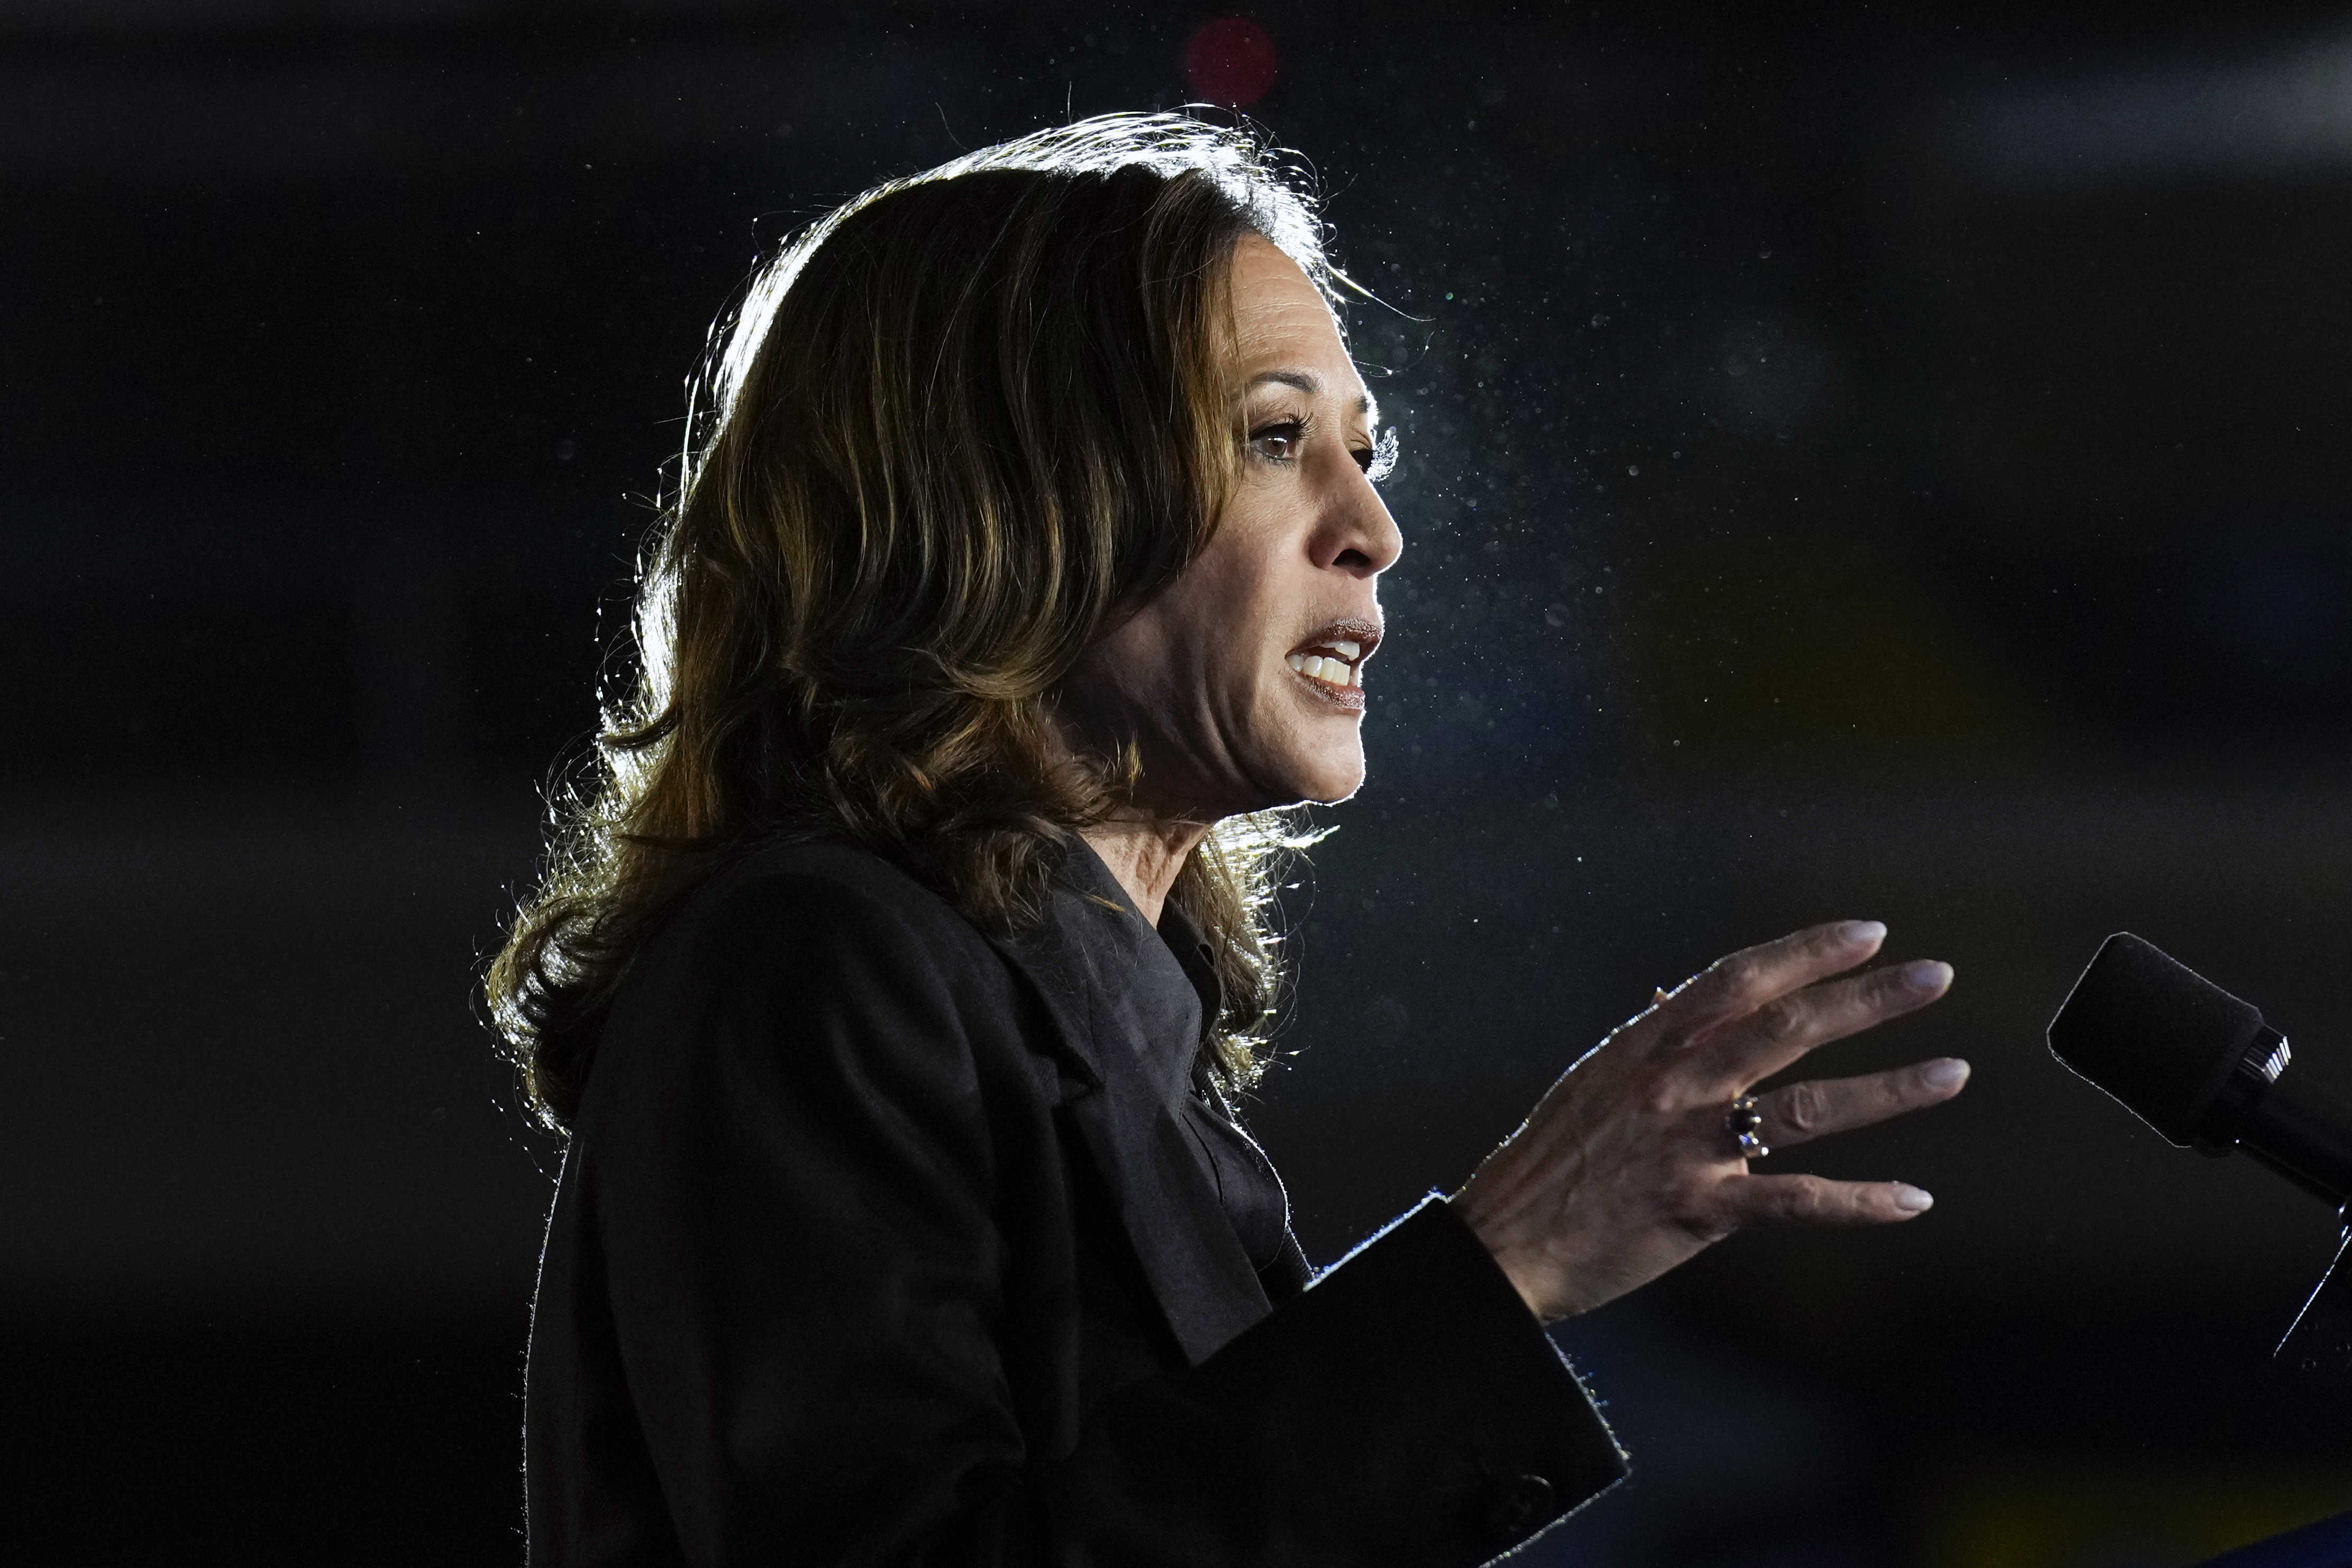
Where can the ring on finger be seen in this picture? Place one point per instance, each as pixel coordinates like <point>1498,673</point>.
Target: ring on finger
<point>1745,1123</point>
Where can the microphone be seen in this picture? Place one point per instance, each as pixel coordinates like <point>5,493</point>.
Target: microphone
<point>2200,1067</point>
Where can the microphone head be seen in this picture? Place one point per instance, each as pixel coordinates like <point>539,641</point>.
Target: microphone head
<point>2153,1033</point>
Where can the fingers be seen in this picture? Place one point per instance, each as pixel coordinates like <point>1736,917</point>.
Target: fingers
<point>1817,1200</point>
<point>1741,1051</point>
<point>1803,1111</point>
<point>1734,987</point>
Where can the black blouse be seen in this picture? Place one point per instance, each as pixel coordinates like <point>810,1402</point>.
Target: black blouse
<point>1168,981</point>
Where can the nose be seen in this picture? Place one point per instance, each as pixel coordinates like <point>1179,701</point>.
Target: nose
<point>1356,534</point>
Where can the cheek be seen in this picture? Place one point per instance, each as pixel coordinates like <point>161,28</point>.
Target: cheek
<point>1161,667</point>
<point>1227,620</point>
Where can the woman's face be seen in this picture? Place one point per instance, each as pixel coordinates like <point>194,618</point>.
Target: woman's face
<point>1243,682</point>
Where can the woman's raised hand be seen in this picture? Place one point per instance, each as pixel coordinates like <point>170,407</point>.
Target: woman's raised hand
<point>1628,1167</point>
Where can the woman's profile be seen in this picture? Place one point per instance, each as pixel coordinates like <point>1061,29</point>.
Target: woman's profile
<point>894,979</point>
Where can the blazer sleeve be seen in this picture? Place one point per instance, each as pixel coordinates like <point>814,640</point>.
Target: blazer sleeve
<point>795,1205</point>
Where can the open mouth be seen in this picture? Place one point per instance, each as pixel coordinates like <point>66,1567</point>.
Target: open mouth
<point>1332,660</point>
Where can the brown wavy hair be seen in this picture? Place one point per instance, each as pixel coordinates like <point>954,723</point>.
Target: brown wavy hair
<point>954,426</point>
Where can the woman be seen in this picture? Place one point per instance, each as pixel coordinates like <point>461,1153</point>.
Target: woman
<point>892,983</point>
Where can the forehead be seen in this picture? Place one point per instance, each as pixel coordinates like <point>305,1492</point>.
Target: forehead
<point>1281,322</point>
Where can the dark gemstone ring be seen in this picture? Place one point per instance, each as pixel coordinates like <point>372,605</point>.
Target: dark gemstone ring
<point>1741,1122</point>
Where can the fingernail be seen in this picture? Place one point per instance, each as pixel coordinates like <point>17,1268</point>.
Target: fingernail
<point>1926,974</point>
<point>1950,1072</point>
<point>1913,1200</point>
<point>1856,933</point>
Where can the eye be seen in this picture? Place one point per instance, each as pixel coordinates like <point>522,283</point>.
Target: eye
<point>1279,442</point>
<point>1379,461</point>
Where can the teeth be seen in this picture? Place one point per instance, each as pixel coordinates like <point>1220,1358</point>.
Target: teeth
<point>1338,671</point>
<point>1351,651</point>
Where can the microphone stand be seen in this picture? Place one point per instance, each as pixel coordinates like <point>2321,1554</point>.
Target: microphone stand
<point>2304,1134</point>
<point>2319,1341</point>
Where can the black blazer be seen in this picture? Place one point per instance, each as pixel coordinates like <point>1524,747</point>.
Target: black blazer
<point>870,1249</point>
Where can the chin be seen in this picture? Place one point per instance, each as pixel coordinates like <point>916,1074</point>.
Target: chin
<point>1327,779</point>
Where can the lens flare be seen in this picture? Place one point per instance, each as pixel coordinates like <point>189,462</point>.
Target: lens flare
<point>1231,62</point>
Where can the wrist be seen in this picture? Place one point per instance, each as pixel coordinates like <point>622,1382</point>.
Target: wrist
<point>1507,1260</point>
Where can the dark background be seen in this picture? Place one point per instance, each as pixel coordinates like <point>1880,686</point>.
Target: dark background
<point>1880,462</point>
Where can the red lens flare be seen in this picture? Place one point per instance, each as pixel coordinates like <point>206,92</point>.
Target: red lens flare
<point>1231,62</point>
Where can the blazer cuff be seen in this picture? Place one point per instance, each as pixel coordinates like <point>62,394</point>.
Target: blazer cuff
<point>1447,1428</point>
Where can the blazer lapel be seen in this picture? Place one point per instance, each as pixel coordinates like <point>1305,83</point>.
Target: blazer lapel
<point>1203,1282</point>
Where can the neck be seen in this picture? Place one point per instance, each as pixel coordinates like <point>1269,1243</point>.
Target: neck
<point>1145,856</point>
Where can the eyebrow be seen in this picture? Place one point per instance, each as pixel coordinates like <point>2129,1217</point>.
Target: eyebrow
<point>1311,385</point>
